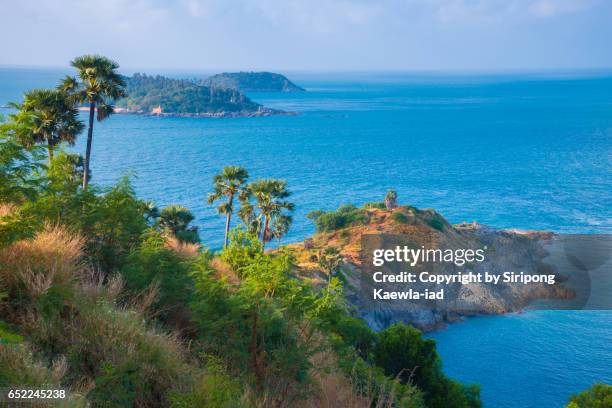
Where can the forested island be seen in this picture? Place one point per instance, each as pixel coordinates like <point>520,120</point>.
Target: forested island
<point>159,95</point>
<point>253,82</point>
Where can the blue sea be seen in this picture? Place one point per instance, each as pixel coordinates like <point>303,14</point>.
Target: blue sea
<point>514,150</point>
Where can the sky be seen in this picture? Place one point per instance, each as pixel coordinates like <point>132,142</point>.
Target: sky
<point>311,35</point>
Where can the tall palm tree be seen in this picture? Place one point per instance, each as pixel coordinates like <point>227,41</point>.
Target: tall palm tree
<point>48,117</point>
<point>98,84</point>
<point>229,183</point>
<point>270,195</point>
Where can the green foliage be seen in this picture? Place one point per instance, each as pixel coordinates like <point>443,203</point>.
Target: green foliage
<point>400,217</point>
<point>18,166</point>
<point>377,204</point>
<point>356,333</point>
<point>176,220</point>
<point>436,223</point>
<point>345,216</point>
<point>598,396</point>
<point>18,366</point>
<point>391,199</point>
<point>252,82</point>
<point>330,260</point>
<point>47,117</point>
<point>242,249</point>
<point>402,352</point>
<point>6,335</point>
<point>270,216</point>
<point>152,265</point>
<point>145,93</point>
<point>115,386</point>
<point>218,389</point>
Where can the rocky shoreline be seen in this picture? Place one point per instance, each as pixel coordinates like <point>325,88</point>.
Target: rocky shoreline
<point>264,112</point>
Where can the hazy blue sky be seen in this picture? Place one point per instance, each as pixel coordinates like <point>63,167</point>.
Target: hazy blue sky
<point>311,34</point>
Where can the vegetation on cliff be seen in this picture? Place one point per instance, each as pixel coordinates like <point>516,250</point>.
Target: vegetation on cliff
<point>145,93</point>
<point>253,82</point>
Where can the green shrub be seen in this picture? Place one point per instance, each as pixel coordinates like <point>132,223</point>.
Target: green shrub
<point>376,204</point>
<point>345,216</point>
<point>402,352</point>
<point>400,217</point>
<point>598,396</point>
<point>153,264</point>
<point>217,389</point>
<point>436,223</point>
<point>243,248</point>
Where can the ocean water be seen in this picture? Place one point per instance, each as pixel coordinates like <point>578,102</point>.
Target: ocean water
<point>528,151</point>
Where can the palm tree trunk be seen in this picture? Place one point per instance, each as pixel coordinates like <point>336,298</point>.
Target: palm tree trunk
<point>229,217</point>
<point>92,110</point>
<point>50,151</point>
<point>263,234</point>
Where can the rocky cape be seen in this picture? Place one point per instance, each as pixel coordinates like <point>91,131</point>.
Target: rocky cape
<point>509,250</point>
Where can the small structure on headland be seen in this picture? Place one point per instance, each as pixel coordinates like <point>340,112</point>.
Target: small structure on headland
<point>157,111</point>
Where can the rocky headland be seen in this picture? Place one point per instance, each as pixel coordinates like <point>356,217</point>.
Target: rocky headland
<point>507,250</point>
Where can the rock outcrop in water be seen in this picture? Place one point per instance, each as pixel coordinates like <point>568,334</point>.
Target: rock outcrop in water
<point>507,251</point>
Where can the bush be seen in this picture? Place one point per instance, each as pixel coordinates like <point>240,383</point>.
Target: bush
<point>243,248</point>
<point>402,352</point>
<point>345,216</point>
<point>598,396</point>
<point>154,265</point>
<point>217,389</point>
<point>400,217</point>
<point>128,362</point>
<point>377,204</point>
<point>436,223</point>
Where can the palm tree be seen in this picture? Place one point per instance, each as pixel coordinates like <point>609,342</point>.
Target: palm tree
<point>175,219</point>
<point>270,197</point>
<point>46,116</point>
<point>229,183</point>
<point>98,84</point>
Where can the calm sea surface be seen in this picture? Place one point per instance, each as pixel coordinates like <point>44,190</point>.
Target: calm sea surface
<point>528,151</point>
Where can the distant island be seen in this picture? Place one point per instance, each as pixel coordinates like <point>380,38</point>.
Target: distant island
<point>159,95</point>
<point>253,82</point>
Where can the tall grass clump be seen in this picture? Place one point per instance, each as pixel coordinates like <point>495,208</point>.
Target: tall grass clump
<point>38,274</point>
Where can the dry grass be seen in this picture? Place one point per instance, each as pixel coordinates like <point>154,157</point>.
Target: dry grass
<point>6,209</point>
<point>332,388</point>
<point>224,271</point>
<point>52,257</point>
<point>183,249</point>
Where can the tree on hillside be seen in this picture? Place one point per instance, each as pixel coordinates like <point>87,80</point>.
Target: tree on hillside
<point>269,195</point>
<point>48,117</point>
<point>330,261</point>
<point>391,200</point>
<point>229,183</point>
<point>98,84</point>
